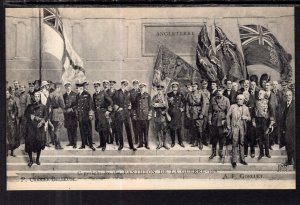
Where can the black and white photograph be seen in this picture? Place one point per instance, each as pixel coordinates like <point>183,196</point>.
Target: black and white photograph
<point>129,98</point>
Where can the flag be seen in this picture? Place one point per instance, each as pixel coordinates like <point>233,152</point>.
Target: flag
<point>57,51</point>
<point>260,46</point>
<point>206,60</point>
<point>170,67</point>
<point>231,59</point>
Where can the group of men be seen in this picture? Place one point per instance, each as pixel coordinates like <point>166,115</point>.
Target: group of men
<point>246,115</point>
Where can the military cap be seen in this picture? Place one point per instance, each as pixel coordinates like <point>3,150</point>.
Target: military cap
<point>30,84</point>
<point>174,83</point>
<point>204,82</point>
<point>44,83</point>
<point>105,82</point>
<point>67,83</point>
<point>15,81</point>
<point>79,83</point>
<point>112,82</point>
<point>143,85</point>
<point>97,82</point>
<point>124,82</point>
<point>284,82</point>
<point>36,81</point>
<point>135,82</point>
<point>160,87</point>
<point>86,82</point>
<point>194,83</point>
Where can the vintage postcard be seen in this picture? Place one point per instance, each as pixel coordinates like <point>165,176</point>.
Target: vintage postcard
<point>150,98</point>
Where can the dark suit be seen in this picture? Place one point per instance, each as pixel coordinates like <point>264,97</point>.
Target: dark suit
<point>133,95</point>
<point>288,122</point>
<point>70,117</point>
<point>273,105</point>
<point>121,102</point>
<point>231,95</point>
<point>278,111</point>
<point>84,108</point>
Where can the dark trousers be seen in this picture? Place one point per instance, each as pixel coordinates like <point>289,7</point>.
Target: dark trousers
<point>217,136</point>
<point>290,151</point>
<point>72,135</point>
<point>103,134</point>
<point>57,126</point>
<point>143,130</point>
<point>85,133</point>
<point>261,127</point>
<point>119,130</point>
<point>250,139</point>
<point>173,132</point>
<point>135,131</point>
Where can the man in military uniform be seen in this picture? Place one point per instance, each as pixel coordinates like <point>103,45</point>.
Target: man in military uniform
<point>206,95</point>
<point>176,107</point>
<point>262,120</point>
<point>70,115</point>
<point>219,107</point>
<point>57,105</point>
<point>25,100</point>
<point>84,105</point>
<point>142,114</point>
<point>133,94</point>
<point>102,107</point>
<point>86,88</point>
<point>213,88</point>
<point>237,117</point>
<point>188,121</point>
<point>160,106</point>
<point>112,135</point>
<point>122,107</point>
<point>195,110</point>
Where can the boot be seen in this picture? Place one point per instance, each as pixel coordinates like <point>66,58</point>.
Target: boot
<point>261,152</point>
<point>221,153</point>
<point>213,154</point>
<point>200,141</point>
<point>195,143</point>
<point>164,142</point>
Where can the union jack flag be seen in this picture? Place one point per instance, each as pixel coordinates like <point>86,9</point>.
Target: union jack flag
<point>51,17</point>
<point>256,33</point>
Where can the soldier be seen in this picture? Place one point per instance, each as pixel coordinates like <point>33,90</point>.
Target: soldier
<point>31,92</point>
<point>236,119</point>
<point>84,105</point>
<point>36,85</point>
<point>195,110</point>
<point>111,91</point>
<point>229,93</point>
<point>219,107</point>
<point>206,95</point>
<point>142,114</point>
<point>288,124</point>
<point>36,117</point>
<point>86,88</point>
<point>102,107</point>
<point>187,120</point>
<point>16,88</point>
<point>262,120</point>
<point>213,88</point>
<point>57,105</point>
<point>133,94</point>
<point>160,106</point>
<point>176,107</point>
<point>122,107</point>
<point>25,100</point>
<point>70,115</point>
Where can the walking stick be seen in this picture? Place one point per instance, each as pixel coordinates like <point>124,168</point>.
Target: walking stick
<point>228,135</point>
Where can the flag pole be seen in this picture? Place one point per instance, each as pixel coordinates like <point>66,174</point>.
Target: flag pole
<point>40,42</point>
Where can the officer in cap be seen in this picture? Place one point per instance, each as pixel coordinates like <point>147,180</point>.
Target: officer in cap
<point>160,106</point>
<point>122,107</point>
<point>71,123</point>
<point>176,108</point>
<point>112,135</point>
<point>187,120</point>
<point>31,92</point>
<point>206,95</point>
<point>142,114</point>
<point>133,94</point>
<point>195,110</point>
<point>218,109</point>
<point>85,115</point>
<point>102,107</point>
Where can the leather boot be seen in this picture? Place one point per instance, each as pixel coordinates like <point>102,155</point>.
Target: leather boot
<point>213,154</point>
<point>195,143</point>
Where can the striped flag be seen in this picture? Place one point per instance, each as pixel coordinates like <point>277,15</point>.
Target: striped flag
<point>57,51</point>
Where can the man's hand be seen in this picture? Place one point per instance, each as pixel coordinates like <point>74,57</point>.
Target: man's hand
<point>90,117</point>
<point>253,124</point>
<point>244,117</point>
<point>149,117</point>
<point>107,114</point>
<point>32,117</point>
<point>129,107</point>
<point>120,109</point>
